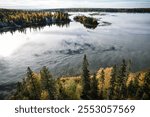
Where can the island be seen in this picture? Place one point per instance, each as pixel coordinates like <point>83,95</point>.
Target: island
<point>88,22</point>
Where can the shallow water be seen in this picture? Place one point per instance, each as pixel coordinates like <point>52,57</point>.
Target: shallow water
<point>62,48</point>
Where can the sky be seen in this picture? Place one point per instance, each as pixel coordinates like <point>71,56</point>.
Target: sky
<point>46,4</point>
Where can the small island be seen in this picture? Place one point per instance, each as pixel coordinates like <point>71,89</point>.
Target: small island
<point>88,22</point>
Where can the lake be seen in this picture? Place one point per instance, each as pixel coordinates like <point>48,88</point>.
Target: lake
<point>118,36</point>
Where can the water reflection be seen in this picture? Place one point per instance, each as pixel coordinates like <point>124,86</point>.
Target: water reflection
<point>37,27</point>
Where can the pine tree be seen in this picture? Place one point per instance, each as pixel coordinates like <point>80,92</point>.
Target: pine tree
<point>48,83</point>
<point>85,79</point>
<point>94,87</point>
<point>111,90</point>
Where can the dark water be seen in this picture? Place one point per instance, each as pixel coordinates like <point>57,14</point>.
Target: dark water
<point>119,36</point>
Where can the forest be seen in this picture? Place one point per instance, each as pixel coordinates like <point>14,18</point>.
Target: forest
<point>123,10</point>
<point>113,83</point>
<point>15,19</point>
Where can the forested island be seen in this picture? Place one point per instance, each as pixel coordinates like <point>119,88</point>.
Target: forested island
<point>117,82</point>
<point>88,22</point>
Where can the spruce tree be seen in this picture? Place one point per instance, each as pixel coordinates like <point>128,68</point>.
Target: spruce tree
<point>85,79</point>
<point>122,79</point>
<point>48,83</point>
<point>94,87</point>
<point>111,89</point>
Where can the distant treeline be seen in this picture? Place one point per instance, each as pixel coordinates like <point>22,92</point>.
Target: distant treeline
<point>126,10</point>
<point>123,10</point>
<point>117,83</point>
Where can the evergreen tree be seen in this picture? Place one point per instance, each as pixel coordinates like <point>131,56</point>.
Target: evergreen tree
<point>121,80</point>
<point>94,87</point>
<point>48,83</point>
<point>139,93</point>
<point>85,79</point>
<point>131,89</point>
<point>111,90</point>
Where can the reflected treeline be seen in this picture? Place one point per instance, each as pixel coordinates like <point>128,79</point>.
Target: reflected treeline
<point>12,20</point>
<point>35,28</point>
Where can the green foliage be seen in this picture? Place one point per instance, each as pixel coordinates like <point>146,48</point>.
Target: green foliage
<point>85,79</point>
<point>48,83</point>
<point>112,85</point>
<point>121,80</point>
<point>94,88</point>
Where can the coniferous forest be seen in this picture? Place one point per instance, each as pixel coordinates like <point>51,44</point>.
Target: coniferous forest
<point>115,83</point>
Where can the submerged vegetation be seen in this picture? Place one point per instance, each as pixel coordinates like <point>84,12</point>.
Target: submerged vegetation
<point>88,22</point>
<point>110,83</point>
<point>18,19</point>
